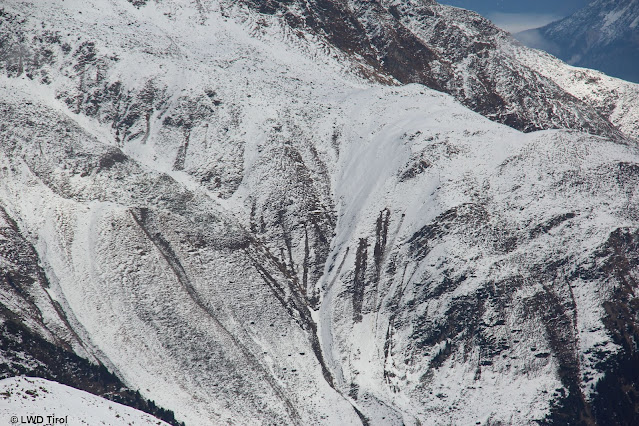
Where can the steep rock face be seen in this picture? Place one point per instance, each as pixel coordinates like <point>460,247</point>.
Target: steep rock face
<point>252,222</point>
<point>604,35</point>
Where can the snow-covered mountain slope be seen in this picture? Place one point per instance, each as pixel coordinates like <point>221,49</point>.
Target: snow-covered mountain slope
<point>252,221</point>
<point>468,263</point>
<point>613,98</point>
<point>604,35</point>
<point>186,334</point>
<point>445,48</point>
<point>39,401</point>
<point>417,41</point>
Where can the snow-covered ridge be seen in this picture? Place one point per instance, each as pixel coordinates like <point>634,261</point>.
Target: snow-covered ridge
<point>445,48</point>
<point>33,400</point>
<point>614,98</point>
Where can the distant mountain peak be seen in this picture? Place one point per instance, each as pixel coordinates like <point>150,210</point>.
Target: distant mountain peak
<point>604,35</point>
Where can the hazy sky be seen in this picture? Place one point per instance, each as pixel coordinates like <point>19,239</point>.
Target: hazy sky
<point>520,15</point>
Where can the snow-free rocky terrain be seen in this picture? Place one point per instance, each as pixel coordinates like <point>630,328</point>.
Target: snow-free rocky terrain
<point>315,212</point>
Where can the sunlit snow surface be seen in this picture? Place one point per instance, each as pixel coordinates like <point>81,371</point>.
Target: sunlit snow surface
<point>25,399</point>
<point>617,97</point>
<point>193,289</point>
